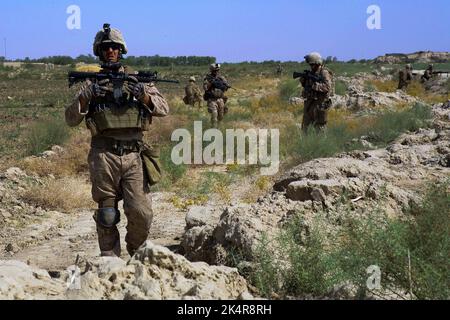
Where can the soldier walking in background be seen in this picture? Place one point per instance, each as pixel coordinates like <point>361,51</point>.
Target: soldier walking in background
<point>193,93</point>
<point>117,119</point>
<point>215,86</point>
<point>317,90</point>
<point>428,74</point>
<point>279,70</point>
<point>405,77</point>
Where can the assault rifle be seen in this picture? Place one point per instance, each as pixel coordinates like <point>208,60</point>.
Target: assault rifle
<point>115,76</point>
<point>441,72</point>
<point>220,84</point>
<point>307,74</point>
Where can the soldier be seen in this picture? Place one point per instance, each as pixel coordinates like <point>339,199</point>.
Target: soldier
<point>428,74</point>
<point>115,164</point>
<point>193,93</point>
<point>405,77</point>
<point>316,93</point>
<point>215,87</point>
<point>279,70</point>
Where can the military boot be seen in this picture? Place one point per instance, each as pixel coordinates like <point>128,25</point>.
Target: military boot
<point>109,241</point>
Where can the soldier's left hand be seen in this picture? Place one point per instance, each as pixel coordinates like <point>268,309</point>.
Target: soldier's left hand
<point>137,89</point>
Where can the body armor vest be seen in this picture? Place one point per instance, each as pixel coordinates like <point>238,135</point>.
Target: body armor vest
<point>107,113</point>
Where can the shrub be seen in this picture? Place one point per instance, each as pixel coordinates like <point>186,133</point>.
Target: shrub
<point>62,194</point>
<point>341,87</point>
<point>288,89</point>
<point>411,253</point>
<point>44,134</point>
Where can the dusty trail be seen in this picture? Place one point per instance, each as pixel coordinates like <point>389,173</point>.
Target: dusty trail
<point>54,242</point>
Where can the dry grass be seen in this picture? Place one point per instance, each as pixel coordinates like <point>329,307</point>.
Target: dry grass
<point>73,161</point>
<point>416,89</point>
<point>64,194</point>
<point>383,86</point>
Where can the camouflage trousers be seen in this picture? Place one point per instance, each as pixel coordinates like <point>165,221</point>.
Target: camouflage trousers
<point>313,115</point>
<point>116,178</point>
<point>217,109</point>
<point>192,101</point>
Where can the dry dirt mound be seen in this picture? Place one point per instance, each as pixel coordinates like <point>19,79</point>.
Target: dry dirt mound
<point>153,273</point>
<point>393,177</point>
<point>417,57</point>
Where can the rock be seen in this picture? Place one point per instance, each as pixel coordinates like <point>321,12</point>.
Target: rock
<point>57,149</point>
<point>296,100</point>
<point>20,281</point>
<point>298,191</point>
<point>14,174</point>
<point>318,195</point>
<point>417,57</point>
<point>197,216</point>
<point>5,214</point>
<point>48,154</point>
<point>302,190</point>
<point>157,273</point>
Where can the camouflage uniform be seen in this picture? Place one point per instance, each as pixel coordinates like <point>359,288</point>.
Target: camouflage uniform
<point>115,165</point>
<point>215,97</point>
<point>279,70</point>
<point>317,99</point>
<point>405,77</point>
<point>193,94</point>
<point>428,74</point>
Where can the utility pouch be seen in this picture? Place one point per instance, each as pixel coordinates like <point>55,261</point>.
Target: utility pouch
<point>151,163</point>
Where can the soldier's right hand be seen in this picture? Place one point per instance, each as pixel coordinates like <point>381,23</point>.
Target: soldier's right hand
<point>95,90</point>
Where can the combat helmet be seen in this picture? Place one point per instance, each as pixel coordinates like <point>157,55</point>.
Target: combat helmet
<point>314,58</point>
<point>109,35</point>
<point>192,79</point>
<point>409,66</point>
<point>214,67</point>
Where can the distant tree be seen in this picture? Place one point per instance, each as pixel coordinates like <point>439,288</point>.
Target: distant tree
<point>335,59</point>
<point>86,58</point>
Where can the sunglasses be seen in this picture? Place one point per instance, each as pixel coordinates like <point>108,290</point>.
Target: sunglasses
<point>107,46</point>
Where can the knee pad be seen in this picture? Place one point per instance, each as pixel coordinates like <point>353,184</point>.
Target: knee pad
<point>107,217</point>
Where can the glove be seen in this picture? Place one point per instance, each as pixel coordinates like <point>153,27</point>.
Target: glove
<point>95,90</point>
<point>315,86</point>
<point>137,89</point>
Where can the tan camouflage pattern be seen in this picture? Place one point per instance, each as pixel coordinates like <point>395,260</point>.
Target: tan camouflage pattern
<point>193,94</point>
<point>316,96</point>
<point>428,74</point>
<point>75,112</point>
<point>404,78</point>
<point>217,103</point>
<point>116,178</point>
<point>115,36</point>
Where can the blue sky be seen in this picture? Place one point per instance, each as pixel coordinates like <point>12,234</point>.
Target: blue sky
<point>232,30</point>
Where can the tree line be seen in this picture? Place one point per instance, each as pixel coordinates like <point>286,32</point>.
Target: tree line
<point>155,60</point>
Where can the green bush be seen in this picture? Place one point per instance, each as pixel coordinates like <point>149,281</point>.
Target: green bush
<point>391,124</point>
<point>412,253</point>
<point>338,138</point>
<point>44,134</point>
<point>171,172</point>
<point>288,89</point>
<point>340,87</point>
<point>315,144</point>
